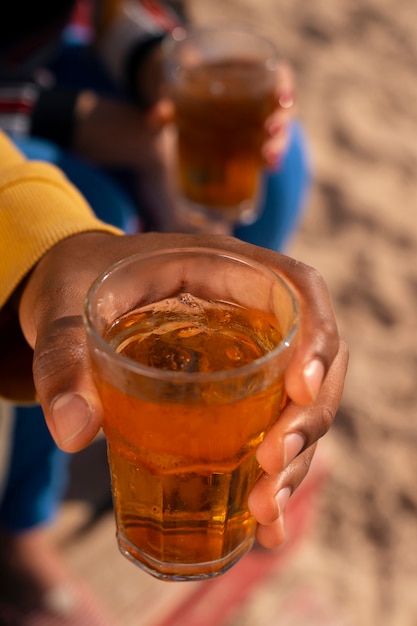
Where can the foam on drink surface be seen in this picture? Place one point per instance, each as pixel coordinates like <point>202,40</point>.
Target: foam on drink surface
<point>189,334</point>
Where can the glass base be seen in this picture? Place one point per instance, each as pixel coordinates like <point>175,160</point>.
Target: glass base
<point>183,571</point>
<point>217,220</point>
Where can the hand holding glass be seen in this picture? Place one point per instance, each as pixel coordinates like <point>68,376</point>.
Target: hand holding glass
<point>222,82</point>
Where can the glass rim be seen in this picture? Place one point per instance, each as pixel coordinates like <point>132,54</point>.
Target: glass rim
<point>182,34</point>
<point>189,377</point>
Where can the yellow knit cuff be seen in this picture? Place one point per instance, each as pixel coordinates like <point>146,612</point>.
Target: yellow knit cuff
<point>38,208</point>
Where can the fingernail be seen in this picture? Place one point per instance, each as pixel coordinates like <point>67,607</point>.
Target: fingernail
<point>275,127</point>
<point>271,157</point>
<point>282,498</point>
<point>293,444</point>
<point>313,374</point>
<point>71,415</point>
<point>286,100</point>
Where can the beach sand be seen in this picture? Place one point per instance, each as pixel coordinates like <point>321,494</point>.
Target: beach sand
<point>356,68</point>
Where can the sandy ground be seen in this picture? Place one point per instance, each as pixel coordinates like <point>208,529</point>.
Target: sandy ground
<point>356,68</point>
<point>356,65</point>
<point>357,91</point>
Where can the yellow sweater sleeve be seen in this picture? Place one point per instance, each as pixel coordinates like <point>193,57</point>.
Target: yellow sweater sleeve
<point>38,208</point>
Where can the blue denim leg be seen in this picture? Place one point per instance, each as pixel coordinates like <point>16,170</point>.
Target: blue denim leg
<point>107,199</point>
<point>37,475</point>
<point>286,190</point>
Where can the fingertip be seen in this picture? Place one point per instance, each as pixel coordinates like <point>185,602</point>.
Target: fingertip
<point>293,445</point>
<point>262,502</point>
<point>73,424</point>
<point>270,457</point>
<point>282,498</point>
<point>273,535</point>
<point>313,374</point>
<point>286,99</point>
<point>304,389</point>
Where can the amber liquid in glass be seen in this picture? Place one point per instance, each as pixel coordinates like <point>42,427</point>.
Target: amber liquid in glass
<point>221,110</point>
<point>183,457</point>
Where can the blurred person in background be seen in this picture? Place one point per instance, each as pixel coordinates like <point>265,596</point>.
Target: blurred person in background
<point>80,83</point>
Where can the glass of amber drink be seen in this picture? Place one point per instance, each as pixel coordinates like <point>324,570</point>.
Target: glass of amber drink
<point>222,83</point>
<point>188,349</point>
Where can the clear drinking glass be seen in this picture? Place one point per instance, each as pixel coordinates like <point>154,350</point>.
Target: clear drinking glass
<point>222,83</point>
<point>188,349</point>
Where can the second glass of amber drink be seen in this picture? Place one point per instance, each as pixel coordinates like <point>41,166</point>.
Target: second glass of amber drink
<point>222,82</point>
<point>189,349</point>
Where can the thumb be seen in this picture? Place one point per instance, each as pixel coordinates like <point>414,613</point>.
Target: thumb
<point>64,384</point>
